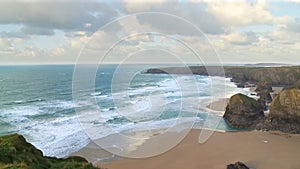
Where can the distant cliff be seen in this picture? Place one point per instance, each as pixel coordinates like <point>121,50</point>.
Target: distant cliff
<point>16,153</point>
<point>240,74</point>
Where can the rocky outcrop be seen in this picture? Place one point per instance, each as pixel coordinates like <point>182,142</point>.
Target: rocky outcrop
<point>264,86</point>
<point>243,112</point>
<point>286,106</point>
<point>237,165</point>
<point>16,153</point>
<point>263,90</point>
<point>284,111</point>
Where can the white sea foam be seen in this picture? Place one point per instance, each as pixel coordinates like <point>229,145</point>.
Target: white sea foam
<point>63,134</point>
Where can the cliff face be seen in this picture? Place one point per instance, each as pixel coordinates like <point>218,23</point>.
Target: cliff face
<point>16,153</point>
<point>272,75</point>
<point>243,112</point>
<point>240,74</point>
<point>286,106</point>
<point>277,76</point>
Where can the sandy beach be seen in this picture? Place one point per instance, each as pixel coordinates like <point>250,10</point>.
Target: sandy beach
<point>259,150</point>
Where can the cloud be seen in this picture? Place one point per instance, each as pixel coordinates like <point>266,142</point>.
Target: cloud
<point>5,45</point>
<point>193,13</point>
<point>17,34</point>
<point>43,17</point>
<point>240,13</point>
<point>238,38</point>
<point>238,30</point>
<point>31,30</point>
<point>294,25</point>
<point>141,6</point>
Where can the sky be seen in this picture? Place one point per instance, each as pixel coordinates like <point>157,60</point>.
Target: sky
<point>157,31</point>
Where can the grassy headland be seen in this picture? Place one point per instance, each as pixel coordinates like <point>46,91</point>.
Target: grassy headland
<point>16,153</point>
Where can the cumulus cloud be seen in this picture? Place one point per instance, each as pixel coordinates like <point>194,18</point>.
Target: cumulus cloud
<point>141,6</point>
<point>5,45</point>
<point>240,38</point>
<point>179,25</point>
<point>294,25</point>
<point>240,13</point>
<point>236,28</point>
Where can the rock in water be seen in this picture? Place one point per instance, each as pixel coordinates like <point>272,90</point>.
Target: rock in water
<point>243,112</point>
<point>237,165</point>
<point>286,106</point>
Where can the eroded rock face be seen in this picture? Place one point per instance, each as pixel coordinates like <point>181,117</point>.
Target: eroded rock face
<point>243,112</point>
<point>237,165</point>
<point>264,86</point>
<point>286,106</point>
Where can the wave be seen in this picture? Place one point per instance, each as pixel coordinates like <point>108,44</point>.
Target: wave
<point>96,94</point>
<point>24,101</point>
<point>53,126</point>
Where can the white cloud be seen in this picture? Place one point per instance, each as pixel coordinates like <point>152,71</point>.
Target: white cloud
<point>4,44</point>
<point>142,5</point>
<point>239,38</point>
<point>240,13</point>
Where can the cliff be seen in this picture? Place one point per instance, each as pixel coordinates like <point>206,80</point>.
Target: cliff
<point>16,153</point>
<point>243,112</point>
<point>282,76</point>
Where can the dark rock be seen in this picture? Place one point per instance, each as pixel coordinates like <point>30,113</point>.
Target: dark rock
<point>264,86</point>
<point>263,90</point>
<point>237,165</point>
<point>263,104</point>
<point>243,112</point>
<point>265,96</point>
<point>241,85</point>
<point>270,124</point>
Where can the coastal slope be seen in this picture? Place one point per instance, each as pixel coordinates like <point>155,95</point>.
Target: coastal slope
<point>16,153</point>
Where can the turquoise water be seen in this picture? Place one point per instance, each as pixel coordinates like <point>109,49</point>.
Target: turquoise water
<point>36,101</point>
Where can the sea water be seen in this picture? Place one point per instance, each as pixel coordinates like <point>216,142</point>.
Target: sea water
<point>36,101</point>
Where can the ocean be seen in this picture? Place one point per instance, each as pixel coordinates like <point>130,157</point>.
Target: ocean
<point>37,102</point>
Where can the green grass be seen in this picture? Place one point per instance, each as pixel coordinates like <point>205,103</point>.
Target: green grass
<point>16,153</point>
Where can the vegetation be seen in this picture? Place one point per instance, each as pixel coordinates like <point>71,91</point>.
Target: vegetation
<point>239,99</point>
<point>16,153</point>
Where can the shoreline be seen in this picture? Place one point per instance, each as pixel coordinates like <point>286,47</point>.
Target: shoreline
<point>94,154</point>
